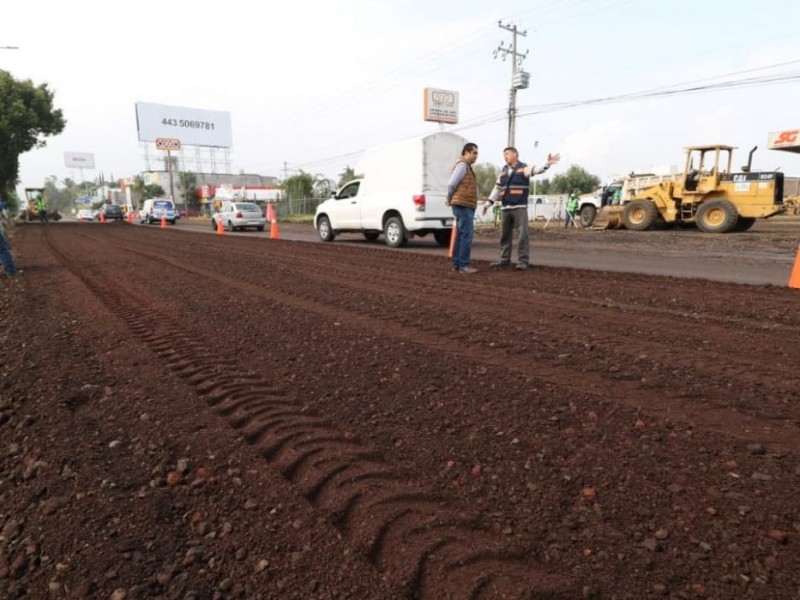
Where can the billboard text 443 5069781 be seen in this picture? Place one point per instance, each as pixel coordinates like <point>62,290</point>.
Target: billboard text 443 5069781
<point>192,126</point>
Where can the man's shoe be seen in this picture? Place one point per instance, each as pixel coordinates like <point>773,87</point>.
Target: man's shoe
<point>468,270</point>
<point>499,264</point>
<point>521,266</point>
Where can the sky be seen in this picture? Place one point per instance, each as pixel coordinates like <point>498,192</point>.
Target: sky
<point>310,85</point>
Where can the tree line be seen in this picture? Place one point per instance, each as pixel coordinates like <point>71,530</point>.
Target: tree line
<point>305,185</point>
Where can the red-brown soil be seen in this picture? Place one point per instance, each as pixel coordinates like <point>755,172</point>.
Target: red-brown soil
<point>185,415</point>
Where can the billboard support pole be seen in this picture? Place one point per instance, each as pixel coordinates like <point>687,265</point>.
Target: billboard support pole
<point>169,170</point>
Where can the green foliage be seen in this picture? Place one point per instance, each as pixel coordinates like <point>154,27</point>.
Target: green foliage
<point>146,191</point>
<point>11,201</point>
<point>61,200</point>
<point>26,117</point>
<point>188,182</point>
<point>298,186</point>
<point>540,187</point>
<point>575,178</point>
<point>346,176</point>
<point>486,177</point>
<point>322,186</point>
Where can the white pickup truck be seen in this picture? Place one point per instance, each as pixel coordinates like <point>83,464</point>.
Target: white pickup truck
<point>400,192</point>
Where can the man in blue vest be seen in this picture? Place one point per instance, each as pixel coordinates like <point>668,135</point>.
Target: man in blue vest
<point>512,189</point>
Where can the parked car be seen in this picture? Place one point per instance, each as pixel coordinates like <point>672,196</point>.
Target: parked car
<point>86,214</point>
<point>239,215</point>
<point>113,212</point>
<point>155,208</point>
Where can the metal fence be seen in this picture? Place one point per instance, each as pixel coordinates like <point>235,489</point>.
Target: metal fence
<point>298,206</point>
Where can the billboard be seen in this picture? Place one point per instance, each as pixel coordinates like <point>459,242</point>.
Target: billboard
<point>192,126</point>
<point>441,105</point>
<point>79,160</point>
<point>788,139</point>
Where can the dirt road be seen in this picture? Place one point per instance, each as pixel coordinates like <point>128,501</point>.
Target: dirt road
<point>198,416</point>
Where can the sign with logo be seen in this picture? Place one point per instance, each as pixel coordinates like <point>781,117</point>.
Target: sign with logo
<point>168,143</point>
<point>441,105</point>
<point>79,160</point>
<point>790,138</point>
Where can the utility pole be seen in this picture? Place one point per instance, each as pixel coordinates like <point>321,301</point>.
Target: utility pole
<point>519,78</point>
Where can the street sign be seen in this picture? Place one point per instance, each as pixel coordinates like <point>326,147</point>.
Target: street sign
<point>168,143</point>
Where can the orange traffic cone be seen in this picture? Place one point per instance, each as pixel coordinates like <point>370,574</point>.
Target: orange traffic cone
<point>274,234</point>
<point>794,278</point>
<point>453,238</point>
<point>102,217</point>
<point>163,221</point>
<point>220,227</point>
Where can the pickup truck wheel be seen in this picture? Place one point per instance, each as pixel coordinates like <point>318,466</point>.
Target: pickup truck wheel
<point>371,236</point>
<point>442,237</point>
<point>395,233</point>
<point>639,215</point>
<point>717,216</point>
<point>587,215</point>
<point>325,230</point>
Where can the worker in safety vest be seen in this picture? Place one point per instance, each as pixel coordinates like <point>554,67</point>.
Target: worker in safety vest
<point>41,206</point>
<point>572,209</point>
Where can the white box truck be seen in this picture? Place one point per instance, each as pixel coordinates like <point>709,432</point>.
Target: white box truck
<point>400,192</point>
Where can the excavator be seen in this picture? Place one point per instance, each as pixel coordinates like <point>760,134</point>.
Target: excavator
<point>708,194</point>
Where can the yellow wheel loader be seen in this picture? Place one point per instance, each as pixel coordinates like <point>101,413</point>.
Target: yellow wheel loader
<point>32,211</point>
<point>708,194</point>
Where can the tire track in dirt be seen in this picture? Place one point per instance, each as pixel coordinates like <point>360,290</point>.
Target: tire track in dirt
<point>418,538</point>
<point>335,301</point>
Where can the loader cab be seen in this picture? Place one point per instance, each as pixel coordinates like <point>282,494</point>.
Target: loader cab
<point>704,165</point>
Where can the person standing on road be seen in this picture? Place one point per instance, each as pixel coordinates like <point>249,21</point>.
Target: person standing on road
<point>462,196</point>
<point>511,190</point>
<point>9,268</point>
<point>572,209</point>
<point>41,206</point>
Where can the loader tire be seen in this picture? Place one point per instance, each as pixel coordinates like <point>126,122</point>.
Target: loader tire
<point>744,223</point>
<point>639,215</point>
<point>717,216</point>
<point>587,215</point>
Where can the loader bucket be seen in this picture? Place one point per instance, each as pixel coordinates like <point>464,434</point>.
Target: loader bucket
<point>608,217</point>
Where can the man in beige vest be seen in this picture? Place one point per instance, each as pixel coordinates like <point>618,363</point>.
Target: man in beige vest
<point>462,196</point>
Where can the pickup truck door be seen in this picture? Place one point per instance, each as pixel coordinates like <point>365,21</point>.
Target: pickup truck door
<point>347,214</point>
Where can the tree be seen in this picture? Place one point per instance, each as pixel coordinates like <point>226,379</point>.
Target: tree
<point>188,182</point>
<point>26,117</point>
<point>146,191</point>
<point>486,177</point>
<point>575,178</point>
<point>322,186</point>
<point>298,187</point>
<point>346,176</point>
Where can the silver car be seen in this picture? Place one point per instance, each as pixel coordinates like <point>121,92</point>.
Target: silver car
<point>239,215</point>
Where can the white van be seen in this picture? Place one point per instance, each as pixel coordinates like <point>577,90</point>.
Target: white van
<point>400,193</point>
<point>155,208</point>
